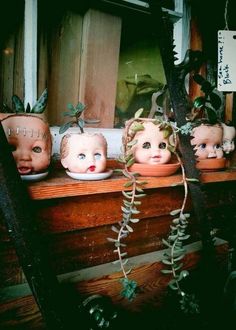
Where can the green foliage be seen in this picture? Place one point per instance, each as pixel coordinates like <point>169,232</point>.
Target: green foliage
<point>175,253</point>
<point>206,107</point>
<point>129,288</point>
<point>18,105</point>
<point>132,193</point>
<point>74,113</point>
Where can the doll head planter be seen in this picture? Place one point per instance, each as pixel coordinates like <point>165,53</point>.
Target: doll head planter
<point>150,143</point>
<point>31,144</point>
<point>229,133</point>
<point>207,141</point>
<point>84,155</point>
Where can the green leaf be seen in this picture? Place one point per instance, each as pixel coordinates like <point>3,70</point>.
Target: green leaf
<point>132,143</point>
<point>215,101</point>
<point>192,180</point>
<point>65,127</point>
<point>18,104</point>
<point>166,262</point>
<point>134,220</point>
<point>138,113</point>
<point>130,229</point>
<point>211,114</point>
<point>174,212</point>
<point>130,162</point>
<point>166,271</point>
<point>41,103</point>
<point>137,127</point>
<point>128,184</point>
<point>127,194</point>
<point>71,107</point>
<point>199,102</point>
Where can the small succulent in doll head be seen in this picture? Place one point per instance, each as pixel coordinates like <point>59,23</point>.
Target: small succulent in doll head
<point>84,153</point>
<point>28,135</point>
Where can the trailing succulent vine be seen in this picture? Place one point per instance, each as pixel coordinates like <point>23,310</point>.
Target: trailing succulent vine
<point>175,252</point>
<point>132,193</point>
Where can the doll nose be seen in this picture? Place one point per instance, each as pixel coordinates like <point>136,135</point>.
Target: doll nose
<point>24,155</point>
<point>212,153</point>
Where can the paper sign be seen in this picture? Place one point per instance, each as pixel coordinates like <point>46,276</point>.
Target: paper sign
<point>226,61</point>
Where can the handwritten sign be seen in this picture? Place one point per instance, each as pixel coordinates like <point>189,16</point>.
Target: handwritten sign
<point>226,61</point>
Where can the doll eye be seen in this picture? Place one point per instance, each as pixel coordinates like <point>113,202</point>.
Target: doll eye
<point>217,146</point>
<point>37,149</point>
<point>202,146</point>
<point>97,156</point>
<point>162,145</point>
<point>146,145</point>
<point>81,156</point>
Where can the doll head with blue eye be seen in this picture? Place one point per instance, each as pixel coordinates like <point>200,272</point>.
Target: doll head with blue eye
<point>84,153</point>
<point>207,141</point>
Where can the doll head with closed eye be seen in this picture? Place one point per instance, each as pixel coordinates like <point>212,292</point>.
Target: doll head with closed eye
<point>30,140</point>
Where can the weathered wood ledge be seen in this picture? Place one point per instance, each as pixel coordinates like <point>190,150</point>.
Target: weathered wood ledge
<point>58,184</point>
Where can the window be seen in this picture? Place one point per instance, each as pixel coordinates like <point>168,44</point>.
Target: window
<point>89,51</point>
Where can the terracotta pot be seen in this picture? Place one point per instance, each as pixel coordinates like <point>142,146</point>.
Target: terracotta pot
<point>211,164</point>
<point>30,140</point>
<point>155,169</point>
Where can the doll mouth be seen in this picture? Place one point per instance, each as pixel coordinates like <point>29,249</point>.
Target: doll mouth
<point>91,168</point>
<point>24,170</point>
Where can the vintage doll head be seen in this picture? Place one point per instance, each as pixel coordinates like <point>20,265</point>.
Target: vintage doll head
<point>207,141</point>
<point>84,153</point>
<point>151,146</point>
<point>229,133</point>
<point>30,140</point>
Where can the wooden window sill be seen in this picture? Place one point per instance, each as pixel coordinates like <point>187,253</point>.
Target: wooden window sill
<point>58,184</point>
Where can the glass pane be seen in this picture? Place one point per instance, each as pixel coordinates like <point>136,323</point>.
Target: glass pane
<point>140,72</point>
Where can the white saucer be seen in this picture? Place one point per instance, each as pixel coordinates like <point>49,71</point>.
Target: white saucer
<point>34,177</point>
<point>90,176</point>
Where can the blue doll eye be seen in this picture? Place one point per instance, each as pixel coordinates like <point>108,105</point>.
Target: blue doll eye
<point>202,146</point>
<point>97,156</point>
<point>81,156</point>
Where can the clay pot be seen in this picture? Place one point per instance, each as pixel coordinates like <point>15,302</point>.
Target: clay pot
<point>155,169</point>
<point>211,164</point>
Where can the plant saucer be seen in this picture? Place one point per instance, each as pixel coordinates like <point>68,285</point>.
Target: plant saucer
<point>211,164</point>
<point>90,176</point>
<point>155,169</point>
<point>34,177</point>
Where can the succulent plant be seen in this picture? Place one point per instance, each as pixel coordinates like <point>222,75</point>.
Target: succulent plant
<point>18,105</point>
<point>74,112</point>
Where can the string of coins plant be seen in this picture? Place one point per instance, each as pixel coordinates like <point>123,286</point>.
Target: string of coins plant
<point>132,193</point>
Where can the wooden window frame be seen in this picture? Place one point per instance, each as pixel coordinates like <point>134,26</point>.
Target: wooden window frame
<point>181,17</point>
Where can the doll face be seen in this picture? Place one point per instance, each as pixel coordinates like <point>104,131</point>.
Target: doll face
<point>228,138</point>
<point>151,146</point>
<point>30,141</point>
<point>208,141</point>
<point>84,153</point>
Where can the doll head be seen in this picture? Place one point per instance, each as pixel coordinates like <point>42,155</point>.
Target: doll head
<point>228,138</point>
<point>84,153</point>
<point>30,141</point>
<point>207,141</point>
<point>151,146</point>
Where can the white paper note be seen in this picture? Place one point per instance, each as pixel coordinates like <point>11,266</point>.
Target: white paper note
<point>226,61</point>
